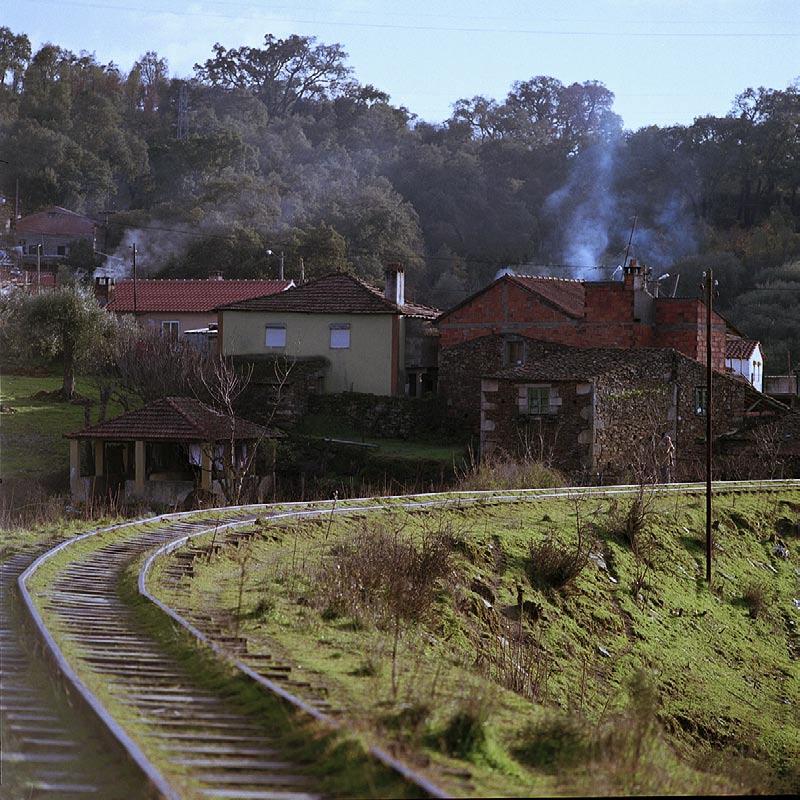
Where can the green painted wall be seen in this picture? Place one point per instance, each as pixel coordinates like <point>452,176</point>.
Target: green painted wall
<point>365,367</point>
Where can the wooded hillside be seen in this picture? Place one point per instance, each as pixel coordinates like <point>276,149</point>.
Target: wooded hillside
<point>280,148</point>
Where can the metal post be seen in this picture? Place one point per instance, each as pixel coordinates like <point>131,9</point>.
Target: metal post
<point>281,273</point>
<point>709,406</point>
<point>135,306</point>
<point>38,268</point>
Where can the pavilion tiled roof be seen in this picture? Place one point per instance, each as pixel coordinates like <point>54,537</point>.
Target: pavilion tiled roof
<point>186,296</point>
<point>337,293</point>
<point>736,347</point>
<point>55,221</point>
<point>172,419</point>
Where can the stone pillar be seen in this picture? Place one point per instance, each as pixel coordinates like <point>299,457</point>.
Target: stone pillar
<point>99,458</point>
<point>75,469</point>
<point>206,465</point>
<point>140,473</point>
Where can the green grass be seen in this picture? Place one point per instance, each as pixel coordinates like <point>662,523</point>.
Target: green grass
<point>32,439</point>
<point>318,425</point>
<point>726,687</point>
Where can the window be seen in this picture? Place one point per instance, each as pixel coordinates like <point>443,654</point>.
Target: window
<point>61,250</point>
<point>171,328</point>
<point>539,400</point>
<point>700,400</point>
<point>514,351</point>
<point>275,336</point>
<point>340,336</point>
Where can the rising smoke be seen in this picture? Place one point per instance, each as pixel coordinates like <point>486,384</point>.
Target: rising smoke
<point>594,214</point>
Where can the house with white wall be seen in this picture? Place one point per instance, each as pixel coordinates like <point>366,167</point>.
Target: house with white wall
<point>744,357</point>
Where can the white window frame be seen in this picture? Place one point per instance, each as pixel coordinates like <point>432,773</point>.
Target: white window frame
<point>167,326</point>
<point>542,407</point>
<point>339,334</point>
<point>276,329</point>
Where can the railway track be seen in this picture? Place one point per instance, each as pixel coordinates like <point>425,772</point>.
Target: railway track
<point>48,750</point>
<point>188,741</point>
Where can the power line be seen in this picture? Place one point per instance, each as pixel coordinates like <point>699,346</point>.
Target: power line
<point>431,28</point>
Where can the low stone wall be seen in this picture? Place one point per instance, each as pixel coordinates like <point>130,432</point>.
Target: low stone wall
<point>388,417</point>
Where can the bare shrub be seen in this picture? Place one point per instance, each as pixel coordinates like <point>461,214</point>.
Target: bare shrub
<point>464,733</point>
<point>756,598</point>
<point>552,565</point>
<point>384,574</point>
<point>520,665</point>
<point>628,520</point>
<point>503,472</point>
<point>555,742</point>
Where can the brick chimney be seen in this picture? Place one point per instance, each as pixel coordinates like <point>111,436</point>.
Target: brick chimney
<point>636,282</point>
<point>104,289</point>
<point>395,288</point>
<point>633,275</point>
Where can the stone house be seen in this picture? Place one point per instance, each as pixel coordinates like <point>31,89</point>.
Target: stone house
<point>55,230</point>
<point>367,340</point>
<point>159,453</point>
<point>176,307</point>
<point>609,415</point>
<point>625,314</point>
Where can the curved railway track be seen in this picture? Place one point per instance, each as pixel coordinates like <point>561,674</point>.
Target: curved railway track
<point>187,741</point>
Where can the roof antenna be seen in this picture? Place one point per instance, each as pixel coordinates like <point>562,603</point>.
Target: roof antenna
<point>630,240</point>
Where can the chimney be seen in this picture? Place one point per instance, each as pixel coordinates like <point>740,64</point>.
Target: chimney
<point>395,289</point>
<point>633,275</point>
<point>104,289</point>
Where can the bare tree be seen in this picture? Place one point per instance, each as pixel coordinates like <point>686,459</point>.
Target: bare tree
<point>222,387</point>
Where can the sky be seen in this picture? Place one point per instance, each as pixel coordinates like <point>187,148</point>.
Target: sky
<point>666,62</point>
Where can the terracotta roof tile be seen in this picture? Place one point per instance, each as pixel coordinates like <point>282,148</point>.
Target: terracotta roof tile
<point>182,296</point>
<point>566,293</point>
<point>172,419</point>
<point>739,348</point>
<point>335,293</point>
<point>55,221</point>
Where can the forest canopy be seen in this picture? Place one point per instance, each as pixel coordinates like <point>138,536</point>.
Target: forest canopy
<point>280,149</point>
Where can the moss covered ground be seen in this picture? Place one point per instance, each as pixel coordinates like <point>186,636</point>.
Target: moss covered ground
<point>635,677</point>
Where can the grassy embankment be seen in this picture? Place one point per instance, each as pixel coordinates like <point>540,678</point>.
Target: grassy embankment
<point>631,676</point>
<point>32,436</point>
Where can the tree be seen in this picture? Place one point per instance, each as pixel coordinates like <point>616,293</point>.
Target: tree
<point>63,326</point>
<point>282,74</point>
<point>15,53</point>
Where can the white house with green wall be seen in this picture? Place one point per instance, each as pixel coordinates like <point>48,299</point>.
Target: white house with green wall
<point>372,341</point>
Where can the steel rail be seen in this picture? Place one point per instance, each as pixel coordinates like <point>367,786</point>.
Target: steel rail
<point>308,508</point>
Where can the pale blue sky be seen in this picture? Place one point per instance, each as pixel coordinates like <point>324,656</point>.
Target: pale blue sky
<point>667,62</point>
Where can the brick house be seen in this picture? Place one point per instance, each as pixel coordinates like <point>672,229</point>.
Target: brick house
<point>177,306</point>
<point>367,340</point>
<point>625,314</point>
<point>55,230</point>
<point>608,414</point>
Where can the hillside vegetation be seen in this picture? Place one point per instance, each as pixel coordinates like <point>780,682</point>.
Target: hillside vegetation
<point>547,647</point>
<point>279,151</point>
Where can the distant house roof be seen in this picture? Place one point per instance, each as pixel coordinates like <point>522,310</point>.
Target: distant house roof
<point>567,294</point>
<point>55,221</point>
<point>337,293</point>
<point>736,347</point>
<point>554,362</point>
<point>185,296</point>
<point>172,419</point>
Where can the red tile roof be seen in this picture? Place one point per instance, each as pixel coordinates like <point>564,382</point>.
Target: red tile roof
<point>739,348</point>
<point>55,221</point>
<point>337,293</point>
<point>182,296</point>
<point>566,293</point>
<point>172,419</point>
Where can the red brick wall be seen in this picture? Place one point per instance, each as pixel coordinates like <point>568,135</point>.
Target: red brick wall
<point>507,308</point>
<point>681,324</point>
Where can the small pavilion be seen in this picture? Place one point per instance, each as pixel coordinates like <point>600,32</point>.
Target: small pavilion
<point>159,453</point>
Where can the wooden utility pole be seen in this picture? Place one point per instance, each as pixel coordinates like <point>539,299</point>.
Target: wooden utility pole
<point>709,406</point>
<point>38,268</point>
<point>134,279</point>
